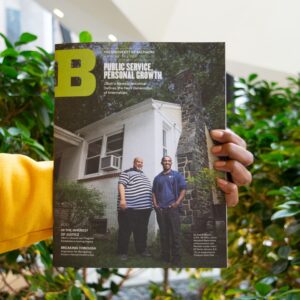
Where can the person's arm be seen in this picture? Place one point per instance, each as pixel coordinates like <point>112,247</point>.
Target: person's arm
<point>123,203</point>
<point>123,181</point>
<point>154,200</point>
<point>154,190</point>
<point>26,209</point>
<point>179,199</point>
<point>235,149</point>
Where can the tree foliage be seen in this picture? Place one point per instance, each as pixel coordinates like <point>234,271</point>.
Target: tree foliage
<point>26,127</point>
<point>75,197</point>
<point>205,61</point>
<point>264,229</point>
<point>26,99</point>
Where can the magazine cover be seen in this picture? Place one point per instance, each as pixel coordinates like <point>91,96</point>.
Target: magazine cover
<point>134,182</point>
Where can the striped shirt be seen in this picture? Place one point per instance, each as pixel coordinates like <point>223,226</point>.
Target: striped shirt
<point>138,192</point>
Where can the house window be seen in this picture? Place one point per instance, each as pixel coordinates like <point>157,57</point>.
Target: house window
<point>93,157</point>
<point>164,142</point>
<point>114,145</point>
<point>99,153</point>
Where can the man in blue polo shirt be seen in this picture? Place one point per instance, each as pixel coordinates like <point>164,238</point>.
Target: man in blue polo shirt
<point>168,191</point>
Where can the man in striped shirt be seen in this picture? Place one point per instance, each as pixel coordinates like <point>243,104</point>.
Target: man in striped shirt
<point>134,209</point>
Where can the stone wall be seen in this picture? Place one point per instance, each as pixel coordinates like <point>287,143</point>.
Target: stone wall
<point>192,153</point>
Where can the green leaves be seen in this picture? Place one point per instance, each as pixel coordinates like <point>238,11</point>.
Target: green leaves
<point>7,42</point>
<point>291,206</point>
<point>89,293</point>
<point>275,232</point>
<point>284,251</point>
<point>285,213</point>
<point>78,198</point>
<point>9,52</point>
<point>43,250</point>
<point>8,71</point>
<point>158,292</point>
<point>269,122</point>
<point>114,287</point>
<point>13,131</point>
<point>85,37</point>
<point>269,209</point>
<point>74,293</point>
<point>26,99</point>
<point>252,77</point>
<point>25,38</point>
<point>26,126</point>
<point>262,288</point>
<point>280,266</point>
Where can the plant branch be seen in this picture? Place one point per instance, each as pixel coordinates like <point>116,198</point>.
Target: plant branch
<point>126,276</point>
<point>14,113</point>
<point>7,284</point>
<point>166,279</point>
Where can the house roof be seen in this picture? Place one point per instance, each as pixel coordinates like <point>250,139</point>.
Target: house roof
<point>145,105</point>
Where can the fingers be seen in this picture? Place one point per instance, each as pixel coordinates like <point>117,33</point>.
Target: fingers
<point>123,205</point>
<point>231,192</point>
<point>235,149</point>
<point>240,175</point>
<point>235,152</point>
<point>227,136</point>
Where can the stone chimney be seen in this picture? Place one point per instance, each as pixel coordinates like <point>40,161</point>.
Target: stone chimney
<point>192,152</point>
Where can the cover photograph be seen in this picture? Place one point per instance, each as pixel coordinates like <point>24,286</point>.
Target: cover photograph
<point>134,184</point>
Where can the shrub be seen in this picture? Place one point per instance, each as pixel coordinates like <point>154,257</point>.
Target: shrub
<point>80,201</point>
<point>264,229</point>
<point>26,99</point>
<point>26,127</point>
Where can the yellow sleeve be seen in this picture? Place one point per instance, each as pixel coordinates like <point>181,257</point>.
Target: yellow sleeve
<point>26,213</point>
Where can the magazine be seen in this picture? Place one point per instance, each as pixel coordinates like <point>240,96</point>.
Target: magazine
<point>134,184</point>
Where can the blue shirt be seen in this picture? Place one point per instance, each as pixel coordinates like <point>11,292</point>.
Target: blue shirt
<point>167,188</point>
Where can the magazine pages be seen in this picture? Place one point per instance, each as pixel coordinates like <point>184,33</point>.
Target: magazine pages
<point>134,183</point>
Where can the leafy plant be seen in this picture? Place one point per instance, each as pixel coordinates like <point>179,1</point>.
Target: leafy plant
<point>157,292</point>
<point>75,197</point>
<point>26,99</point>
<point>205,179</point>
<point>264,228</point>
<point>26,127</point>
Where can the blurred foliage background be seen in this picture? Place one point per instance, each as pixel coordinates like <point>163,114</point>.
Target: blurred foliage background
<point>264,229</point>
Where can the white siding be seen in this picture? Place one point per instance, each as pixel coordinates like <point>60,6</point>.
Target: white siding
<point>69,169</point>
<point>143,126</point>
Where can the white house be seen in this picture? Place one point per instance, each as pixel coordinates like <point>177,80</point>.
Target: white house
<point>97,153</point>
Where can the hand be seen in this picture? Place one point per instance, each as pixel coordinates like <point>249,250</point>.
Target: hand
<point>123,204</point>
<point>234,148</point>
<point>174,205</point>
<point>155,205</point>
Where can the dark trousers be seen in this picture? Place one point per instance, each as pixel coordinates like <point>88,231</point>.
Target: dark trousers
<point>133,221</point>
<point>168,220</point>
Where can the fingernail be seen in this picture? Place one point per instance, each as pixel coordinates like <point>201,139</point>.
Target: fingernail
<point>222,182</point>
<point>217,133</point>
<point>220,163</point>
<point>216,149</point>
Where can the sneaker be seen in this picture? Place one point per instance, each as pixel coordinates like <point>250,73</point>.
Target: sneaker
<point>123,257</point>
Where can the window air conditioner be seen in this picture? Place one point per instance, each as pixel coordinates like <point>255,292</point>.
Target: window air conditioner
<point>110,163</point>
